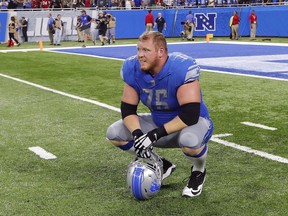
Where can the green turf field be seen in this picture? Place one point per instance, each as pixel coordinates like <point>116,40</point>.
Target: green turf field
<point>88,176</point>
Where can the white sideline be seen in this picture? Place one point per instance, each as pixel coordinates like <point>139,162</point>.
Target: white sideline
<point>62,93</point>
<point>214,138</point>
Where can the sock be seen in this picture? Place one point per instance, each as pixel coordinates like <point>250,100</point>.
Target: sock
<point>199,161</point>
<point>129,147</point>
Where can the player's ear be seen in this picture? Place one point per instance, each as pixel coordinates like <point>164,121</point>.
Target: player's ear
<point>161,52</point>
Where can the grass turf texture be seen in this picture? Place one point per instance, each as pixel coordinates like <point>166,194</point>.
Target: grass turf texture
<point>88,177</point>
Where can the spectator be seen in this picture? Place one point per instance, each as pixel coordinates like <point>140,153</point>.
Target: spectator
<point>24,24</point>
<point>12,4</point>
<point>16,34</point>
<point>158,2</point>
<point>168,3</point>
<point>145,3</point>
<point>101,3</point>
<point>50,28</point>
<point>45,4</point>
<point>77,27</point>
<point>161,23</point>
<point>137,3</point>
<point>253,25</point>
<point>87,3</point>
<point>58,4</point>
<point>20,4</point>
<point>58,26</point>
<point>235,26</point>
<point>128,4</point>
<point>191,21</point>
<point>149,21</point>
<point>12,31</point>
<point>102,27</point>
<point>35,3</point>
<point>230,26</point>
<point>4,5</point>
<point>114,4</point>
<point>78,4</point>
<point>86,24</point>
<point>111,28</point>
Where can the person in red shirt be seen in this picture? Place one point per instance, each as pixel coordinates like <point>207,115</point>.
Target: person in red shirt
<point>235,26</point>
<point>253,25</point>
<point>45,4</point>
<point>35,3</point>
<point>149,21</point>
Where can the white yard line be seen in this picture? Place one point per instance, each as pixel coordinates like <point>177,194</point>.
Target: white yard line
<point>42,153</point>
<point>214,138</point>
<point>258,126</point>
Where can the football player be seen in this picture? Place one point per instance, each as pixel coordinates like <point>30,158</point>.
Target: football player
<point>168,84</point>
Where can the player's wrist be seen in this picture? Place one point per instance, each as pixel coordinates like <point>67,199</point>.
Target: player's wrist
<point>137,133</point>
<point>161,132</point>
<point>157,133</point>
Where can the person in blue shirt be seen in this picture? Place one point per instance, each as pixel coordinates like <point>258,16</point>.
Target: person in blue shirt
<point>168,84</point>
<point>86,21</point>
<point>50,28</point>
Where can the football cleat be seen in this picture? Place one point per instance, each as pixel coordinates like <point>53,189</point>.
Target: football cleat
<point>168,168</point>
<point>195,184</point>
<point>144,177</point>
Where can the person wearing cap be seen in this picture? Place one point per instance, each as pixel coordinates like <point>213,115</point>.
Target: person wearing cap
<point>86,21</point>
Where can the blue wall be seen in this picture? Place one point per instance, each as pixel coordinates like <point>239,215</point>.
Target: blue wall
<point>272,21</point>
<point>3,21</point>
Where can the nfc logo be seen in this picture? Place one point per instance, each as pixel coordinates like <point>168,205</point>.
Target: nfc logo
<point>205,21</point>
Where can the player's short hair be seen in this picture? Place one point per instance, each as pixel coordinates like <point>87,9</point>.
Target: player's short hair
<point>157,37</point>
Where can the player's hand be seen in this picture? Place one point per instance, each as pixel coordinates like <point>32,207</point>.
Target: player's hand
<point>143,143</point>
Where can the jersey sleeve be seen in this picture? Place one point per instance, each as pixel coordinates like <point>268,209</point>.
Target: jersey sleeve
<point>128,70</point>
<point>192,71</point>
<point>185,67</point>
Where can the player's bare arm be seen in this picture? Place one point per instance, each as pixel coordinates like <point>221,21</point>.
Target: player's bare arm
<point>130,96</point>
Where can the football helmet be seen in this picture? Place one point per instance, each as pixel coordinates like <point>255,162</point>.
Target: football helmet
<point>144,177</point>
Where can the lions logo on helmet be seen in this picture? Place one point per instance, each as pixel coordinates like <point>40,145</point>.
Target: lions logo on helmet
<point>144,177</point>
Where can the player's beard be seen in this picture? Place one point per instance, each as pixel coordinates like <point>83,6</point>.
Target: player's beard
<point>148,65</point>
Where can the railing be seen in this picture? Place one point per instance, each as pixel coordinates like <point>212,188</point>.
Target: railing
<point>214,4</point>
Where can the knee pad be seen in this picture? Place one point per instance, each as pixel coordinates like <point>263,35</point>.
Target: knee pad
<point>111,133</point>
<point>118,132</point>
<point>189,140</point>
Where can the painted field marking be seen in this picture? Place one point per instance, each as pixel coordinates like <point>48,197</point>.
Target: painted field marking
<point>62,93</point>
<point>42,153</point>
<point>215,138</point>
<point>258,126</point>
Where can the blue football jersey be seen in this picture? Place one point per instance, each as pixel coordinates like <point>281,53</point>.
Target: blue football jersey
<point>159,93</point>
